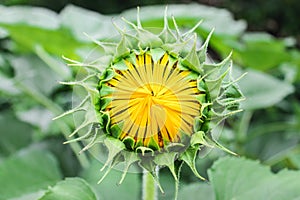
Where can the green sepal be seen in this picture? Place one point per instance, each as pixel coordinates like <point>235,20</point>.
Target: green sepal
<point>231,98</point>
<point>157,54</point>
<point>214,85</point>
<point>166,35</point>
<point>177,169</point>
<point>201,123</point>
<point>199,138</point>
<point>212,142</point>
<point>123,48</point>
<point>145,151</point>
<point>203,50</point>
<point>198,121</point>
<point>153,144</point>
<point>204,110</point>
<point>148,39</point>
<point>104,102</point>
<point>96,139</point>
<point>129,142</point>
<point>178,147</point>
<point>201,98</point>
<point>82,106</point>
<point>147,163</point>
<point>120,65</point>
<point>191,60</point>
<point>89,119</point>
<point>91,88</point>
<point>86,136</point>
<point>130,158</point>
<point>116,129</point>
<point>173,49</point>
<point>114,147</point>
<point>189,157</point>
<point>105,122</point>
<point>116,160</point>
<point>201,85</point>
<point>105,90</point>
<point>132,59</point>
<point>107,47</point>
<point>107,75</point>
<point>167,159</point>
<point>205,126</point>
<point>233,92</point>
<point>215,76</point>
<point>182,67</point>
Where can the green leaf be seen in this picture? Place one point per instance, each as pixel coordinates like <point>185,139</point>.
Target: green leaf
<point>108,188</point>
<point>14,134</point>
<point>7,85</point>
<point>196,191</point>
<point>238,178</point>
<point>27,172</point>
<point>35,74</point>
<point>79,20</point>
<point>262,90</point>
<point>38,27</point>
<point>261,51</point>
<point>71,188</point>
<point>57,42</point>
<point>37,116</point>
<point>33,16</point>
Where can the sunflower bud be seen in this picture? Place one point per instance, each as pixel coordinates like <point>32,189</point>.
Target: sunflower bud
<point>153,99</point>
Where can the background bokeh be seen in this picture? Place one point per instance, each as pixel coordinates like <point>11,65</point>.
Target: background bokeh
<point>265,39</point>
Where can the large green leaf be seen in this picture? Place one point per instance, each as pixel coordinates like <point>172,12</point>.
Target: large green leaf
<point>241,179</point>
<point>72,189</point>
<point>261,51</point>
<point>28,171</point>
<point>39,27</point>
<point>58,42</point>
<point>109,188</point>
<point>262,90</point>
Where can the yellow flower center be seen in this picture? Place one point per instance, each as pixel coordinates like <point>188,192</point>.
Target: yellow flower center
<point>153,101</point>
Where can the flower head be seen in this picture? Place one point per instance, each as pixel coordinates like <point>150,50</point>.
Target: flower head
<point>154,98</point>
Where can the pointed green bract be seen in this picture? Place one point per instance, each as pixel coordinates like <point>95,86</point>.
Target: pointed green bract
<point>216,93</point>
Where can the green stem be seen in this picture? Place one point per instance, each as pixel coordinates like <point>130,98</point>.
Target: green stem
<point>244,126</point>
<point>149,186</point>
<point>242,129</point>
<point>271,128</point>
<point>56,110</point>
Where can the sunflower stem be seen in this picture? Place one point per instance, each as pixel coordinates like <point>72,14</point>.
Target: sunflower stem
<point>149,186</point>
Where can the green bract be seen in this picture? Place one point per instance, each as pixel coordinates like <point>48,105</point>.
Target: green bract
<point>153,99</point>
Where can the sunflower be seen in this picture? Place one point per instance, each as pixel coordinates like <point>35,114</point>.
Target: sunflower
<point>154,99</point>
<point>153,102</point>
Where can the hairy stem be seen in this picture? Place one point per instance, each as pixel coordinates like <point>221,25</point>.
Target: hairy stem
<point>149,186</point>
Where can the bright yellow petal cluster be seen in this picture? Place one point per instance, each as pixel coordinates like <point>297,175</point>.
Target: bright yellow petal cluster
<point>154,101</point>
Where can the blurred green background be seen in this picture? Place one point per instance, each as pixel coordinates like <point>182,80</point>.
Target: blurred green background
<point>264,37</point>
